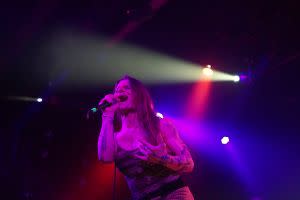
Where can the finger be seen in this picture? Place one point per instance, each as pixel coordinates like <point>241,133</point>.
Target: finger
<point>153,159</point>
<point>143,145</point>
<point>150,154</point>
<point>147,155</point>
<point>140,157</point>
<point>106,98</point>
<point>148,145</point>
<point>145,150</point>
<point>101,101</point>
<point>109,98</point>
<point>159,146</point>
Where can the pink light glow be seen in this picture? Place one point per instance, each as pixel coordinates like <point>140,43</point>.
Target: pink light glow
<point>198,98</point>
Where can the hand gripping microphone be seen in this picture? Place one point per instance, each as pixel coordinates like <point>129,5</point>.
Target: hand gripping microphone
<point>100,107</point>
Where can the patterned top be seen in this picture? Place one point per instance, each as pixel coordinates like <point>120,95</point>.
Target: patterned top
<point>142,177</point>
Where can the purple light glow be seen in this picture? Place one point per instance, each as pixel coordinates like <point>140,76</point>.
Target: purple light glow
<point>243,77</point>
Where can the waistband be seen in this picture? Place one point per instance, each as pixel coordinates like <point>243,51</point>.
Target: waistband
<point>165,189</point>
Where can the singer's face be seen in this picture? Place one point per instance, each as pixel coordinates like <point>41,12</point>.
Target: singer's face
<point>124,94</point>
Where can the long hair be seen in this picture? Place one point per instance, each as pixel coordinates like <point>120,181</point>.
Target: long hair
<point>144,108</point>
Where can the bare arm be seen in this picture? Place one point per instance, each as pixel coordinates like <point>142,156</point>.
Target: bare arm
<point>172,153</point>
<point>182,163</point>
<point>181,160</point>
<point>106,142</point>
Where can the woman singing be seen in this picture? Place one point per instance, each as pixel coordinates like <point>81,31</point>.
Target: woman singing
<point>145,148</point>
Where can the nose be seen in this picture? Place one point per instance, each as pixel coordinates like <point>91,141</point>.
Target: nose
<point>120,92</point>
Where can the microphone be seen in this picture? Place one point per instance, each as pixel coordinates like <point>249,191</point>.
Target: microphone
<point>100,107</point>
<point>106,104</point>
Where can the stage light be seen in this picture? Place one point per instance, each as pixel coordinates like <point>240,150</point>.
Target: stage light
<point>225,140</point>
<point>236,78</point>
<point>207,71</point>
<point>80,53</point>
<point>39,99</point>
<point>159,115</point>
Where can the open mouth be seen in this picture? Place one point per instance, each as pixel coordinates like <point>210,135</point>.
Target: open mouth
<point>122,98</point>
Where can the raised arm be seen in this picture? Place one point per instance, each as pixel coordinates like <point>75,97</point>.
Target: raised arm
<point>106,141</point>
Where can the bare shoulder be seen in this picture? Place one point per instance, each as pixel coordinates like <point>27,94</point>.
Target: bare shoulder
<point>166,123</point>
<point>168,128</point>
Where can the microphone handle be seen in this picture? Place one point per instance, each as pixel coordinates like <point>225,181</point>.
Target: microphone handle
<point>104,105</point>
<point>100,108</point>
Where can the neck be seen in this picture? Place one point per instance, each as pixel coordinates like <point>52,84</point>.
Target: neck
<point>130,120</point>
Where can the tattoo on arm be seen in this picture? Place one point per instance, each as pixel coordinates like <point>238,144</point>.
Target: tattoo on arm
<point>179,162</point>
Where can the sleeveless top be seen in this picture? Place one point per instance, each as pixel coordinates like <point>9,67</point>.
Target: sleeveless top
<point>143,178</point>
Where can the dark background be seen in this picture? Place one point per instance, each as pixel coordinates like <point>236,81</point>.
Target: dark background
<point>48,150</point>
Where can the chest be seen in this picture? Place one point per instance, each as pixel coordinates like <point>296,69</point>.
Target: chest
<point>128,139</point>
